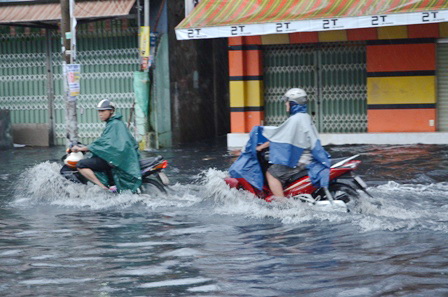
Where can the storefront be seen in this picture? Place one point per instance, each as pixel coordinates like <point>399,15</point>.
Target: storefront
<point>31,80</point>
<point>369,66</point>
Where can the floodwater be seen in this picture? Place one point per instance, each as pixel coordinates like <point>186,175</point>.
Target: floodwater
<point>203,239</point>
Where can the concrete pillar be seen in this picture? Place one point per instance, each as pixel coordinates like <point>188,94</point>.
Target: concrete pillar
<point>246,83</point>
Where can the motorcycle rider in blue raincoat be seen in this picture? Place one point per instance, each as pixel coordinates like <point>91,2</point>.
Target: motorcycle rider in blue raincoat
<point>293,146</point>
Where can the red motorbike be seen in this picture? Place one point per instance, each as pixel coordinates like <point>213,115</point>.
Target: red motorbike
<point>154,180</point>
<point>342,188</point>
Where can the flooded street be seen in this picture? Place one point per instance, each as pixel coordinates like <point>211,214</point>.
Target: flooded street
<point>203,239</point>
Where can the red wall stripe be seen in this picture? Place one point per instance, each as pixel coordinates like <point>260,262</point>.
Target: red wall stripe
<point>423,31</point>
<point>362,34</point>
<point>401,120</point>
<point>401,57</point>
<point>304,37</point>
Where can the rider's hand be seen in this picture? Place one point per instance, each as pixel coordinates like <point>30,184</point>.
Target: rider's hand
<point>262,146</point>
<point>76,149</point>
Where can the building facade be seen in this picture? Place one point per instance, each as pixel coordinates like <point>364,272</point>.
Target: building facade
<point>369,69</point>
<point>187,102</point>
<point>387,79</point>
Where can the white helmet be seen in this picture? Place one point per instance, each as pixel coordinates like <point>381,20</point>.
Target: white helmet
<point>105,105</point>
<point>296,95</point>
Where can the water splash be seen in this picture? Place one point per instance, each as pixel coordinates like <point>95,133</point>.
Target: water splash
<point>395,206</point>
<point>403,206</point>
<point>43,184</point>
<point>408,206</point>
<point>242,203</point>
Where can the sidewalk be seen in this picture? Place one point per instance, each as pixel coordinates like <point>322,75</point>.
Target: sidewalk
<point>240,139</point>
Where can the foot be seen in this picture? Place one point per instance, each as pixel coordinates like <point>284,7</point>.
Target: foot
<point>113,189</point>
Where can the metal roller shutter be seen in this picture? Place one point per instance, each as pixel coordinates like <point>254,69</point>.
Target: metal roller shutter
<point>333,75</point>
<point>442,85</point>
<point>108,55</point>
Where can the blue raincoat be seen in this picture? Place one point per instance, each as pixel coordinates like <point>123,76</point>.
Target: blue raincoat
<point>247,165</point>
<point>287,143</point>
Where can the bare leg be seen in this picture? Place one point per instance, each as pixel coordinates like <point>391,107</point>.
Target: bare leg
<point>275,185</point>
<point>90,175</point>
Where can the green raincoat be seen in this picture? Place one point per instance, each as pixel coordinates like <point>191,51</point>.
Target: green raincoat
<point>118,147</point>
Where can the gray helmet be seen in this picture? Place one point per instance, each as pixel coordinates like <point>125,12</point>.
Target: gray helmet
<point>296,95</point>
<point>105,105</point>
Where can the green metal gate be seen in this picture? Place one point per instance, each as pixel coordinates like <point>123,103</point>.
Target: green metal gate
<point>334,76</point>
<point>23,75</point>
<point>108,54</point>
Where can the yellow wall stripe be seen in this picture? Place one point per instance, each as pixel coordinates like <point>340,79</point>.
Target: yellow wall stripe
<point>402,89</point>
<point>236,93</point>
<point>246,93</point>
<point>275,39</point>
<point>443,28</point>
<point>393,32</point>
<point>336,35</point>
<point>254,93</point>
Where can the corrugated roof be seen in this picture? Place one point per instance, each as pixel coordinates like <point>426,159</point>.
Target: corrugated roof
<point>51,12</point>
<point>228,18</point>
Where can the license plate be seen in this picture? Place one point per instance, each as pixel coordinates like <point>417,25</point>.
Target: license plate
<point>360,182</point>
<point>165,180</point>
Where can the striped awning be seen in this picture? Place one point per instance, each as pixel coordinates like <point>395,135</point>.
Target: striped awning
<point>230,18</point>
<point>30,13</point>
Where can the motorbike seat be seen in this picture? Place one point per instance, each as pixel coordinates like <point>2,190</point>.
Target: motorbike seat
<point>297,176</point>
<point>337,160</point>
<point>149,162</point>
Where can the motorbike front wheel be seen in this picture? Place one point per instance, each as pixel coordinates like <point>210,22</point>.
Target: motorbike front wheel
<point>152,186</point>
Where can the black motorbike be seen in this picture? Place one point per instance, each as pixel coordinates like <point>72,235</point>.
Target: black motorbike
<point>154,180</point>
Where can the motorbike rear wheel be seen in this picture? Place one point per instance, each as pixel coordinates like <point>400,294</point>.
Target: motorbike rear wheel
<point>344,192</point>
<point>152,186</point>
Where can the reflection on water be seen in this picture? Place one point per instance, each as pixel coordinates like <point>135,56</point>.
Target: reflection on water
<point>204,239</point>
<point>402,163</point>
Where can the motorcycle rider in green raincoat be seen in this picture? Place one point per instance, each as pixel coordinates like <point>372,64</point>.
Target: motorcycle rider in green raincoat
<point>115,163</point>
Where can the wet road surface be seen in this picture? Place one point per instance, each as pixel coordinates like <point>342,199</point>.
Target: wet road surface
<point>202,239</point>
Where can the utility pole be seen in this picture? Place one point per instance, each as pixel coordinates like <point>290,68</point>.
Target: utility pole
<point>50,88</point>
<point>146,13</point>
<point>70,106</point>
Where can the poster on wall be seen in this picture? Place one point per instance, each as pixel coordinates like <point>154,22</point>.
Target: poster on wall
<point>73,74</point>
<point>189,5</point>
<point>144,46</point>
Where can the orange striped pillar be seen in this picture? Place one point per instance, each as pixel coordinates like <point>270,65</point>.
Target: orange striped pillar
<point>401,84</point>
<point>246,83</point>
